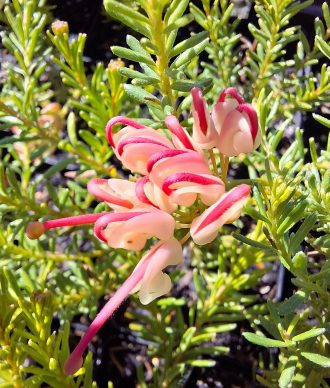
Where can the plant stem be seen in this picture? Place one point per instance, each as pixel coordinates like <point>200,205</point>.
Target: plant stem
<point>154,12</point>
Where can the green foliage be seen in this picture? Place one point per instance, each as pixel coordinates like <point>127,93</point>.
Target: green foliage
<point>224,42</point>
<point>304,356</point>
<point>222,301</point>
<point>47,283</point>
<point>164,63</point>
<point>31,354</point>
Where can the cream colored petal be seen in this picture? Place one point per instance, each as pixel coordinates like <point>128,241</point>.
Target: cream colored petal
<point>234,123</point>
<point>124,189</point>
<point>221,111</point>
<point>184,197</point>
<point>243,142</point>
<point>159,198</point>
<point>156,283</point>
<point>135,156</point>
<point>132,234</point>
<point>186,192</point>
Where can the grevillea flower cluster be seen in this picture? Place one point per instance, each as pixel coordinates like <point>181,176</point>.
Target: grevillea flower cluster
<point>176,190</point>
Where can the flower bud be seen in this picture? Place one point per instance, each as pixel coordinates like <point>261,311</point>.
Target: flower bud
<point>237,124</point>
<point>115,64</point>
<point>60,27</point>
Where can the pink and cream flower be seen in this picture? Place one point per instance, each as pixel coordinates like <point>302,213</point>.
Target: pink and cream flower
<point>176,175</point>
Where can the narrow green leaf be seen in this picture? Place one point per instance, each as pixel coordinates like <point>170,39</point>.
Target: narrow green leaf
<point>130,73</point>
<point>288,372</point>
<point>186,86</point>
<point>316,331</point>
<point>188,43</point>
<point>136,46</point>
<point>264,341</point>
<point>71,125</point>
<point>302,232</point>
<point>295,8</point>
<point>323,241</point>
<point>316,358</point>
<point>128,16</point>
<point>326,14</point>
<point>323,46</point>
<point>142,96</point>
<point>175,10</point>
<point>202,363</point>
<point>299,262</point>
<point>220,328</point>
<point>90,139</point>
<point>188,55</point>
<point>176,25</point>
<point>13,182</point>
<point>312,149</point>
<point>187,337</point>
<point>253,243</point>
<point>198,15</point>
<point>322,120</point>
<point>291,215</point>
<point>251,211</point>
<point>88,378</point>
<point>57,168</point>
<point>131,55</point>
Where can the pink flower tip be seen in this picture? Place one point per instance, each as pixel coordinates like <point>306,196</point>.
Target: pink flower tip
<point>73,364</point>
<point>251,113</point>
<point>199,105</point>
<point>34,230</point>
<point>233,93</point>
<point>119,120</point>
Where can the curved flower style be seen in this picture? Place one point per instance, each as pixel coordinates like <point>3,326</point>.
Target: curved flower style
<point>135,144</point>
<point>176,175</point>
<point>119,194</point>
<point>147,277</point>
